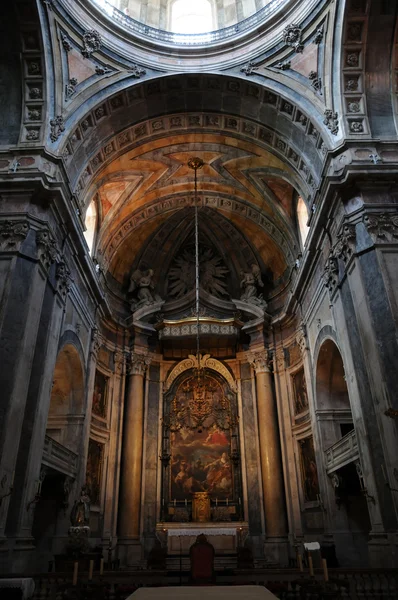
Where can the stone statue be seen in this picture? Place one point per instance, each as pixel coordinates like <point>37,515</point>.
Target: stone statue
<point>80,513</point>
<point>141,285</point>
<point>250,283</point>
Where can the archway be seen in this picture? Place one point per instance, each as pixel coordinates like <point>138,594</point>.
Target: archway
<point>349,510</point>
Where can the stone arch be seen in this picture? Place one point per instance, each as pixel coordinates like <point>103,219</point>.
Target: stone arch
<point>67,401</point>
<point>207,362</point>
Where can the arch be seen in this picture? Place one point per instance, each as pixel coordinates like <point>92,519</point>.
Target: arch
<point>66,411</point>
<point>331,386</point>
<point>206,362</point>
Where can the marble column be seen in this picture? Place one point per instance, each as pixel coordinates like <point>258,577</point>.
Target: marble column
<point>270,452</point>
<point>131,469</point>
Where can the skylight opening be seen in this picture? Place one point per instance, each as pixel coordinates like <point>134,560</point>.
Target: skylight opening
<point>188,16</point>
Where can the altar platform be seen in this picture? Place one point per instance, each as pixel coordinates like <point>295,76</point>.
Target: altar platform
<point>244,592</point>
<point>225,537</point>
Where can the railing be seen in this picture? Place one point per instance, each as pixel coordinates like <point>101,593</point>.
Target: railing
<point>59,457</point>
<point>286,584</point>
<point>192,39</point>
<point>342,452</point>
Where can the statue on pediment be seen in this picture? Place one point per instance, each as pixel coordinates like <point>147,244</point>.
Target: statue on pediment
<point>251,283</point>
<point>142,289</point>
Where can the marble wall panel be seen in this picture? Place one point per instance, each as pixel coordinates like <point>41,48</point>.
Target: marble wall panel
<point>151,460</point>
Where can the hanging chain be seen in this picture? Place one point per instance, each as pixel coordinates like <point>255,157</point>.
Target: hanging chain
<point>195,164</point>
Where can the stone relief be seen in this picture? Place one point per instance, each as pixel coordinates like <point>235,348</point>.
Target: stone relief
<point>141,288</point>
<point>181,278</point>
<point>331,121</point>
<point>292,35</point>
<point>92,42</point>
<point>250,283</point>
<point>57,127</point>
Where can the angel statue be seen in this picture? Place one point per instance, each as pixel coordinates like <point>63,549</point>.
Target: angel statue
<point>250,283</point>
<point>142,286</point>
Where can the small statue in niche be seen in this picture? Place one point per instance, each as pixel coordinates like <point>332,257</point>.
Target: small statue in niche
<point>142,286</point>
<point>80,513</point>
<point>250,283</point>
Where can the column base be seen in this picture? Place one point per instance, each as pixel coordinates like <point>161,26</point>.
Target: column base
<point>129,552</point>
<point>276,551</point>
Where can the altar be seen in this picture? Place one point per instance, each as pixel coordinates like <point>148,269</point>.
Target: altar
<point>225,537</point>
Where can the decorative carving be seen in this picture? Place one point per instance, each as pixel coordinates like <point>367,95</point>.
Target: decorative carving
<point>139,363</point>
<point>212,273</point>
<point>319,35</point>
<point>136,71</point>
<point>46,247</point>
<point>206,362</point>
<point>57,127</point>
<point>65,42</point>
<point>119,361</point>
<point>201,507</point>
<point>335,480</point>
<point>283,66</point>
<point>292,35</point>
<point>331,121</point>
<point>251,282</point>
<point>63,277</point>
<point>220,514</point>
<point>382,227</point>
<point>331,273</point>
<point>32,134</point>
<point>70,88</point>
<point>102,70</point>
<point>141,285</point>
<point>302,338</point>
<point>259,361</point>
<point>345,244</point>
<point>181,515</point>
<point>375,158</point>
<point>249,69</point>
<point>12,235</point>
<point>279,359</point>
<point>92,42</point>
<point>96,342</point>
<point>316,81</point>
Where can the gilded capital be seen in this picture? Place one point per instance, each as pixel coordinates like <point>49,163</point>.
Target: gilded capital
<point>259,361</point>
<point>139,363</point>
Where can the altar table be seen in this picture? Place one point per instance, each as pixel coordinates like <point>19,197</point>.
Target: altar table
<point>225,537</point>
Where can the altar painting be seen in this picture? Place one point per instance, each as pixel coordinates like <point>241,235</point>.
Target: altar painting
<point>200,463</point>
<point>300,392</point>
<point>309,471</point>
<point>100,394</point>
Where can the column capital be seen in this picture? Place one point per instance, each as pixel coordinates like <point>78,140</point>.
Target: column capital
<point>63,277</point>
<point>139,362</point>
<point>12,234</point>
<point>47,251</point>
<point>119,360</point>
<point>259,361</point>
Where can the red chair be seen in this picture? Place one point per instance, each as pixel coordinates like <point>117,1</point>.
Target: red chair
<point>201,554</point>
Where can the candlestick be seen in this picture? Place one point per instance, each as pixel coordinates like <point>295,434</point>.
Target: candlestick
<point>311,566</point>
<point>102,566</point>
<point>185,501</point>
<point>90,571</point>
<point>239,500</point>
<point>325,569</point>
<point>216,502</point>
<point>75,571</point>
<point>227,501</point>
<point>300,562</point>
<point>174,501</point>
<point>162,501</point>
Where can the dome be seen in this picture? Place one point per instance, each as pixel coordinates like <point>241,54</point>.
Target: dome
<point>188,23</point>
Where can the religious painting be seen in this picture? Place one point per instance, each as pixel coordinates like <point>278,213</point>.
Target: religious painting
<point>94,471</point>
<point>300,392</point>
<point>309,471</point>
<point>200,463</point>
<point>100,394</point>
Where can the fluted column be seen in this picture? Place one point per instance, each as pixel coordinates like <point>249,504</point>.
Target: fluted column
<point>271,463</point>
<point>131,471</point>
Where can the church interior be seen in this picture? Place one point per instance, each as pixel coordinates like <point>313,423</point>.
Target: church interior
<point>199,295</point>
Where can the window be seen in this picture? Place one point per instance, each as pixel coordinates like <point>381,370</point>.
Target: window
<point>191,16</point>
<point>302,218</point>
<point>90,223</point>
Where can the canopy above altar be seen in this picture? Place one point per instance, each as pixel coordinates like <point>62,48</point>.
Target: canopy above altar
<point>239,592</point>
